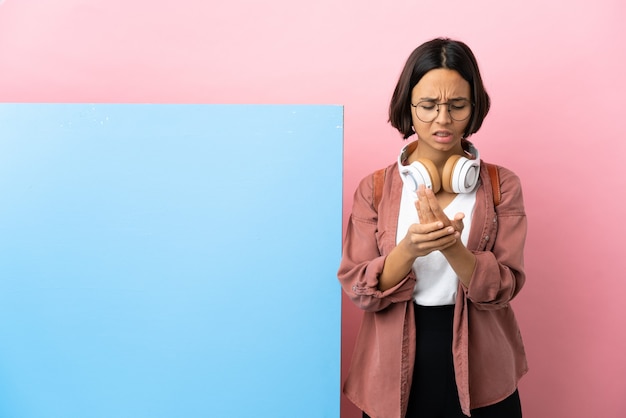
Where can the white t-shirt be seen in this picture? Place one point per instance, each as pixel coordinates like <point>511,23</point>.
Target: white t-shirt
<point>437,283</point>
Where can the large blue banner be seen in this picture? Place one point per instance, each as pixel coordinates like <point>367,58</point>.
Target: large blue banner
<point>169,260</point>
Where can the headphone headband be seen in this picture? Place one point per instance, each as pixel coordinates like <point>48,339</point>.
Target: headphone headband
<point>460,174</point>
<point>408,149</point>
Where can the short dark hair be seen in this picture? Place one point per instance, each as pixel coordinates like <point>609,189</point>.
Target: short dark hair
<point>438,53</point>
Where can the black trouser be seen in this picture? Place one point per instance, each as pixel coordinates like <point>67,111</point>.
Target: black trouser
<point>433,392</point>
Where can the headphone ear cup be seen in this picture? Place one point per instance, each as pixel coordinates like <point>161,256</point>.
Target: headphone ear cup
<point>447,177</point>
<point>420,172</point>
<point>460,174</point>
<point>430,171</point>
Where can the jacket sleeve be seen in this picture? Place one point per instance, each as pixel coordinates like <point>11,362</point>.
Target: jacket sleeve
<point>499,274</point>
<point>362,259</point>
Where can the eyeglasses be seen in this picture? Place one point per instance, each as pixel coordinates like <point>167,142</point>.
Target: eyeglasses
<point>458,109</point>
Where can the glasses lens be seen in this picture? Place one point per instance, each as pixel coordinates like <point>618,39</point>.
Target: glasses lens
<point>459,110</point>
<point>426,111</point>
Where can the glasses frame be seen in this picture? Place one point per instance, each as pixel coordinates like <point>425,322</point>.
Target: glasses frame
<point>447,108</point>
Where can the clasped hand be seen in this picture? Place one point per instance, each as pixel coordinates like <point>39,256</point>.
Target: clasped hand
<point>435,232</point>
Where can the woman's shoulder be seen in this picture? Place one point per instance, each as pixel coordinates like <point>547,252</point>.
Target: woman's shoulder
<point>370,188</point>
<point>506,174</point>
<point>372,179</point>
<point>510,186</point>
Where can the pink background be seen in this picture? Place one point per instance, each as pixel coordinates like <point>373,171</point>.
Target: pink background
<point>555,71</point>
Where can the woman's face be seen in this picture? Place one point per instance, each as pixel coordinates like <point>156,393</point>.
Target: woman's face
<point>439,129</point>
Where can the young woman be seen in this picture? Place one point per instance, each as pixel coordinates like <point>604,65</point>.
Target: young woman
<point>433,254</point>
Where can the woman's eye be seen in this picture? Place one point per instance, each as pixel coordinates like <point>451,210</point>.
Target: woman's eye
<point>427,107</point>
<point>458,105</point>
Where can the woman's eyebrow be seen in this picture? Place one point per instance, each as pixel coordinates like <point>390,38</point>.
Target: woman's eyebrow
<point>430,99</point>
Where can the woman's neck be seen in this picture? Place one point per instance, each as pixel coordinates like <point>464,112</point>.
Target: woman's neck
<point>438,157</point>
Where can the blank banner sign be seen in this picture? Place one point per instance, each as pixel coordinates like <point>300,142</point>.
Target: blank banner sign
<point>173,261</point>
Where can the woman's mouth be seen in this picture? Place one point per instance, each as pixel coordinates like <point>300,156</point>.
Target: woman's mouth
<point>443,136</point>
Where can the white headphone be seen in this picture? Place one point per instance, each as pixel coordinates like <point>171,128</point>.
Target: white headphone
<point>460,174</point>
